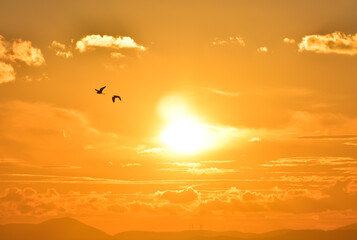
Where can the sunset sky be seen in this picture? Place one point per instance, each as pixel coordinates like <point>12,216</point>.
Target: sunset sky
<point>235,114</point>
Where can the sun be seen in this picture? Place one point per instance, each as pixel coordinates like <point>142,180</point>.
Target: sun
<point>183,133</point>
<point>186,136</point>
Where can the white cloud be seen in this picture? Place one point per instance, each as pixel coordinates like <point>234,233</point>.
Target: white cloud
<point>254,139</point>
<point>337,42</point>
<point>262,49</point>
<point>124,165</point>
<point>7,73</point>
<point>289,40</point>
<point>107,42</point>
<point>230,40</point>
<point>58,45</point>
<point>65,54</point>
<point>185,196</point>
<point>18,50</point>
<point>61,49</point>
<point>116,55</point>
<point>209,171</point>
<point>153,150</point>
<point>25,52</point>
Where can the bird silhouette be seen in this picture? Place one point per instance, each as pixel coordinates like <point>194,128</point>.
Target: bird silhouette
<point>114,97</point>
<point>100,91</point>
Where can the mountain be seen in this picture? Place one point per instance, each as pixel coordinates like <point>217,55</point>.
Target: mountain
<point>70,229</point>
<point>317,235</point>
<point>348,227</point>
<point>184,235</point>
<point>56,229</point>
<point>193,235</point>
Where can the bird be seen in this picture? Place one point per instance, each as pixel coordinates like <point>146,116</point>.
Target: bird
<point>100,91</point>
<point>114,97</point>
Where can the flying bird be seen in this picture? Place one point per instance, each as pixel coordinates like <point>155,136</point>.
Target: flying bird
<point>100,91</point>
<point>114,97</point>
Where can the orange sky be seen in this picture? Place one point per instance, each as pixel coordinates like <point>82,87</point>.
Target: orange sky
<point>235,114</point>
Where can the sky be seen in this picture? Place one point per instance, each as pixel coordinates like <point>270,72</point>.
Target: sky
<point>235,114</point>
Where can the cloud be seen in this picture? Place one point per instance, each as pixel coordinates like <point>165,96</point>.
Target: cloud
<point>209,171</point>
<point>289,40</point>
<point>230,40</point>
<point>337,42</point>
<point>215,202</point>
<point>29,125</point>
<point>32,203</point>
<point>29,202</point>
<point>330,137</point>
<point>351,140</point>
<point>224,93</point>
<point>18,50</point>
<point>352,187</point>
<point>7,73</point>
<point>66,54</point>
<point>61,167</point>
<point>351,143</point>
<point>262,50</point>
<point>304,161</point>
<point>22,51</point>
<point>184,196</point>
<point>289,200</point>
<point>117,208</point>
<point>116,55</point>
<point>6,162</point>
<point>124,165</point>
<point>184,164</point>
<point>25,52</point>
<point>153,150</point>
<point>3,48</point>
<point>58,45</point>
<point>106,41</point>
<point>329,124</point>
<point>254,139</point>
<point>61,49</point>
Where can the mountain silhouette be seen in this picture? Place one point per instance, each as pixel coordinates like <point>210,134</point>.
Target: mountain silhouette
<point>348,227</point>
<point>184,235</point>
<point>55,229</point>
<point>71,229</point>
<point>192,235</point>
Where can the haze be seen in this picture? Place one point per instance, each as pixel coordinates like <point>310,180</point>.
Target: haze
<point>235,114</point>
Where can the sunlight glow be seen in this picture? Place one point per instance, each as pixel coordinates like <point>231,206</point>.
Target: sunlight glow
<point>185,133</point>
<point>186,136</point>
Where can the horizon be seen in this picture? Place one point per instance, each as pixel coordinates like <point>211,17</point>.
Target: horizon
<point>155,115</point>
<point>180,231</point>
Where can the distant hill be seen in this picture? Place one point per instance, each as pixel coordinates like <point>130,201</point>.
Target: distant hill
<point>56,229</point>
<point>316,235</point>
<point>185,235</point>
<point>348,227</point>
<point>70,229</point>
<point>193,235</point>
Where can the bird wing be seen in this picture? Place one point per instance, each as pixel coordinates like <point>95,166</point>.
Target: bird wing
<point>101,89</point>
<point>116,96</point>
